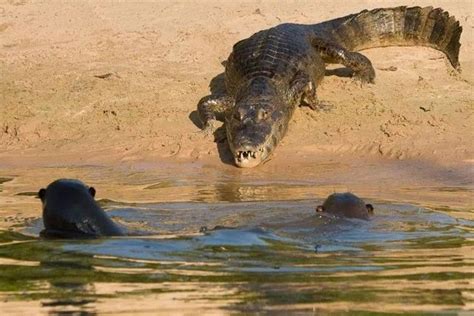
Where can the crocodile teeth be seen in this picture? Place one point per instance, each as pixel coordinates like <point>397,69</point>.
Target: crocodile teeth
<point>246,154</point>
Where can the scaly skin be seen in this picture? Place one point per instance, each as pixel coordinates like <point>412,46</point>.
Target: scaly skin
<point>272,72</point>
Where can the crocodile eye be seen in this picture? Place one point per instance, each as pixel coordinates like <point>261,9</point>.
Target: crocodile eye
<point>262,114</point>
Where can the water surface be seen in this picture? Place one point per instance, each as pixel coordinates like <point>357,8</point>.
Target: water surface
<point>270,253</point>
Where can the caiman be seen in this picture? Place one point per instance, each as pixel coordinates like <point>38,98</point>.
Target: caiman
<point>273,71</point>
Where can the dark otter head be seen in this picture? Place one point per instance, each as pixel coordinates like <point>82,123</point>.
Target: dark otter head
<point>68,205</point>
<point>257,123</point>
<point>64,185</point>
<point>346,205</point>
<point>70,211</point>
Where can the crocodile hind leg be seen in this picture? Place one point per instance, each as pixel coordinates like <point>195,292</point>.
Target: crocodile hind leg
<point>333,53</point>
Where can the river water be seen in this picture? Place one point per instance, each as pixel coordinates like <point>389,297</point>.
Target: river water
<point>264,250</point>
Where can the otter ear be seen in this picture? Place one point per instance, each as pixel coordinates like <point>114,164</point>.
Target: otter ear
<point>92,191</point>
<point>41,194</point>
<point>319,208</point>
<point>370,208</point>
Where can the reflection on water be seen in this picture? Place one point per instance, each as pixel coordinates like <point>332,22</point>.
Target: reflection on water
<point>269,252</point>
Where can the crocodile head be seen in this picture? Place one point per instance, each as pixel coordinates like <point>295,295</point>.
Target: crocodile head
<point>255,126</point>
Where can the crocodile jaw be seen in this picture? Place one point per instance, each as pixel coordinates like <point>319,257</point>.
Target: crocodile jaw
<point>248,158</point>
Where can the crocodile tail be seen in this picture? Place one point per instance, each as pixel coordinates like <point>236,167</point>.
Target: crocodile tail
<point>400,26</point>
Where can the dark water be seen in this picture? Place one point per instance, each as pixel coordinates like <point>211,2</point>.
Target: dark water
<point>267,256</point>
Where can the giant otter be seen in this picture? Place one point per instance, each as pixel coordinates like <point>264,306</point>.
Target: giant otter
<point>346,205</point>
<point>70,211</point>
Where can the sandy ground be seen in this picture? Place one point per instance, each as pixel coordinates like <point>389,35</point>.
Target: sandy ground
<point>115,83</point>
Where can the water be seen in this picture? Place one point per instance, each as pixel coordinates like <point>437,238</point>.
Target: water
<point>267,256</point>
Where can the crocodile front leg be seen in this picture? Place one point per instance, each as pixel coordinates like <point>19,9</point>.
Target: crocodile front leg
<point>212,110</point>
<point>333,53</point>
<point>303,90</point>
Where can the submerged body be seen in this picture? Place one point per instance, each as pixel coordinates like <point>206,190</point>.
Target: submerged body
<point>272,72</point>
<point>346,205</point>
<point>70,211</point>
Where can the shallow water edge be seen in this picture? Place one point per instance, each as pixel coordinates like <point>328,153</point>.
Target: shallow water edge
<point>273,254</point>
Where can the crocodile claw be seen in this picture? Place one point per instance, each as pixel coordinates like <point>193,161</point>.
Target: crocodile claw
<point>210,127</point>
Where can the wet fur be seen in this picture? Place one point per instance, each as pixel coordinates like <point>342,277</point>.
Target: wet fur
<point>70,211</point>
<point>346,205</point>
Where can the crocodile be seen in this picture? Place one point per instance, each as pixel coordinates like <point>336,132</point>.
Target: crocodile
<point>275,70</point>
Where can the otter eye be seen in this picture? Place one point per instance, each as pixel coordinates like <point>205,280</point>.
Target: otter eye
<point>262,114</point>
